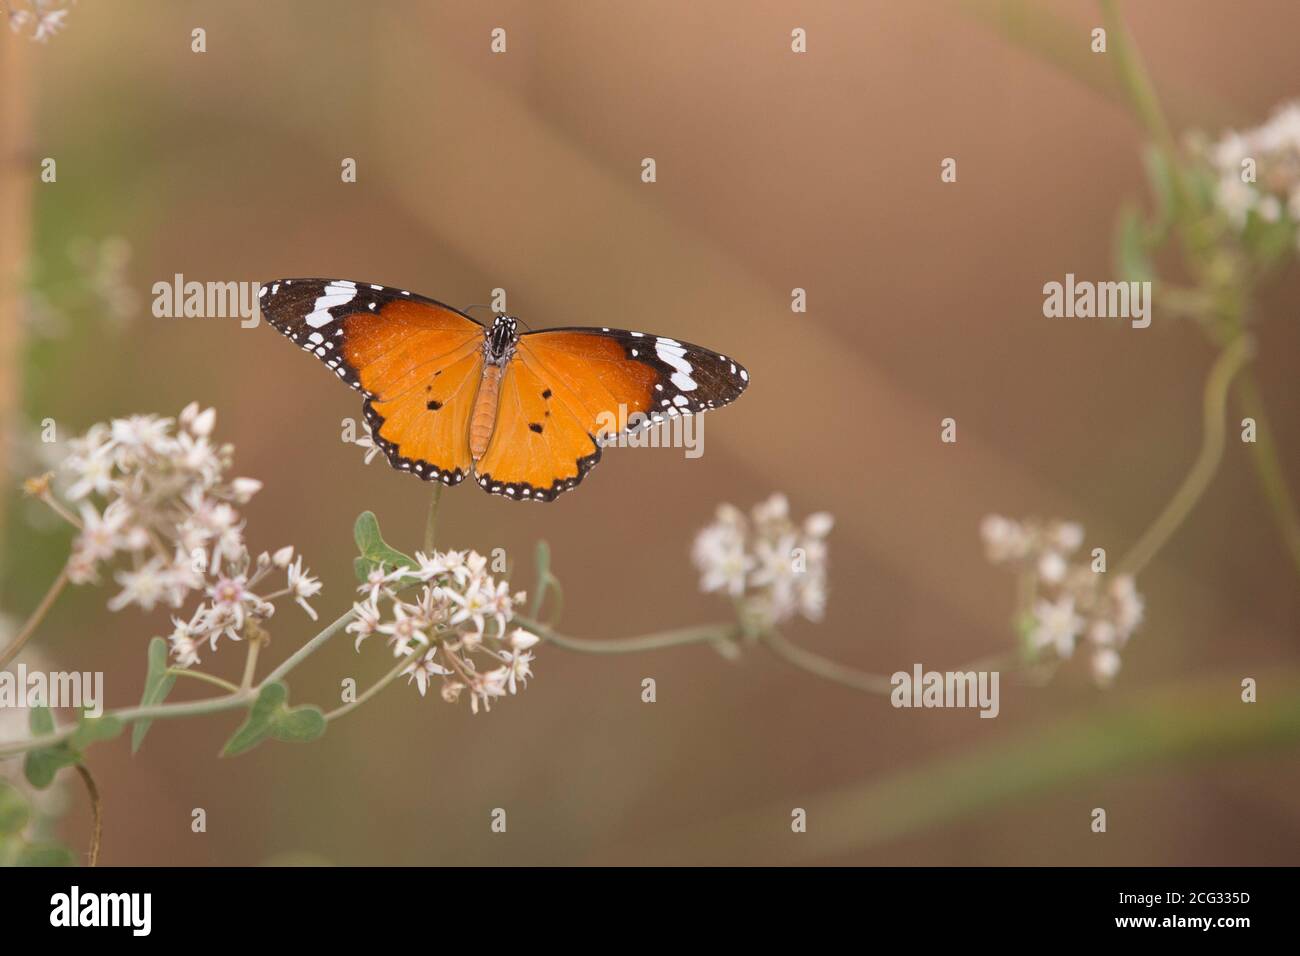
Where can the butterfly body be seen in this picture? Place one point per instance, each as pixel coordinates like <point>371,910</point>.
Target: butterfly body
<point>446,397</point>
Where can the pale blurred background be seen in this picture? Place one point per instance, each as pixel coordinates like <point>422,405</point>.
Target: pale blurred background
<point>775,171</point>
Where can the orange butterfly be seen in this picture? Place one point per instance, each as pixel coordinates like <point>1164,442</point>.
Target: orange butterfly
<point>527,414</point>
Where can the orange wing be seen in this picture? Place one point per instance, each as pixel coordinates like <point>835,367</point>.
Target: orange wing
<point>417,361</point>
<point>567,390</point>
<point>541,443</point>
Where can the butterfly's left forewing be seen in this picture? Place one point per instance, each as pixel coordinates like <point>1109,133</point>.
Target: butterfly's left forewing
<point>417,362</point>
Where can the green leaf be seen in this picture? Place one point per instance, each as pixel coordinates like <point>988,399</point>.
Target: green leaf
<point>298,724</point>
<point>257,726</point>
<point>46,854</point>
<point>1131,254</point>
<point>157,685</point>
<point>42,764</point>
<point>40,721</point>
<point>270,716</point>
<point>373,549</point>
<point>14,812</point>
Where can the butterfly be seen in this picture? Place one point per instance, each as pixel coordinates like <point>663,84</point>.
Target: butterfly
<point>526,414</point>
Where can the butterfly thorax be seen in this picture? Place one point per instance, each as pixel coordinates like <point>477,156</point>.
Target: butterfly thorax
<point>498,348</point>
<point>499,341</point>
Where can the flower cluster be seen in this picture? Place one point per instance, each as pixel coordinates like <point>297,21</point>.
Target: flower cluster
<point>770,566</point>
<point>155,505</point>
<point>455,618</point>
<point>1069,600</point>
<point>41,19</point>
<point>1273,193</point>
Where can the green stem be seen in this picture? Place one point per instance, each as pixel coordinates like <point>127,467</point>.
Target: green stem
<point>10,652</point>
<point>199,675</point>
<point>1136,81</point>
<point>378,685</point>
<point>824,667</point>
<point>703,634</point>
<point>431,522</point>
<point>1268,466</point>
<point>315,644</point>
<point>1229,362</point>
<point>97,813</point>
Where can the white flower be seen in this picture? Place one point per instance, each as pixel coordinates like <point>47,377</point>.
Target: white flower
<point>243,489</point>
<point>773,566</point>
<point>1105,665</point>
<point>49,24</point>
<point>145,586</point>
<point>366,622</point>
<point>302,585</point>
<point>521,640</point>
<point>1056,625</point>
<point>423,669</point>
<point>517,669</point>
<point>1004,539</point>
<point>473,606</point>
<point>101,536</point>
<point>93,471</point>
<point>367,441</point>
<point>405,628</point>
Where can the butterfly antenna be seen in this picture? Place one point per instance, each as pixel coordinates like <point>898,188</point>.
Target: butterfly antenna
<point>479,305</point>
<point>523,323</point>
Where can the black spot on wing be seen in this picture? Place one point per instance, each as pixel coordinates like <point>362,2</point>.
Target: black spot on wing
<point>416,466</point>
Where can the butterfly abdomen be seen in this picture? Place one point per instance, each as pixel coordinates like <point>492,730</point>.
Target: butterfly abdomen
<point>484,416</point>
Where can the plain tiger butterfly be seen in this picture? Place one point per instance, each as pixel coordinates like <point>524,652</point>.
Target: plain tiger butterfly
<point>446,396</point>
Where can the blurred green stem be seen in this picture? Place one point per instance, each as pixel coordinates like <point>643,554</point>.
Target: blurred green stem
<point>1268,466</point>
<point>825,667</point>
<point>431,522</point>
<point>96,810</point>
<point>1171,724</point>
<point>1215,401</point>
<point>207,678</point>
<point>378,685</point>
<point>16,645</point>
<point>703,634</point>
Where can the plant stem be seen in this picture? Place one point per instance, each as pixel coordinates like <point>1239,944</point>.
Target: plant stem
<point>1184,500</point>
<point>96,809</point>
<point>825,667</point>
<point>1135,80</point>
<point>703,634</point>
<point>250,662</point>
<point>1268,466</point>
<point>310,647</point>
<point>431,522</point>
<point>199,675</point>
<point>10,652</point>
<point>378,685</point>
